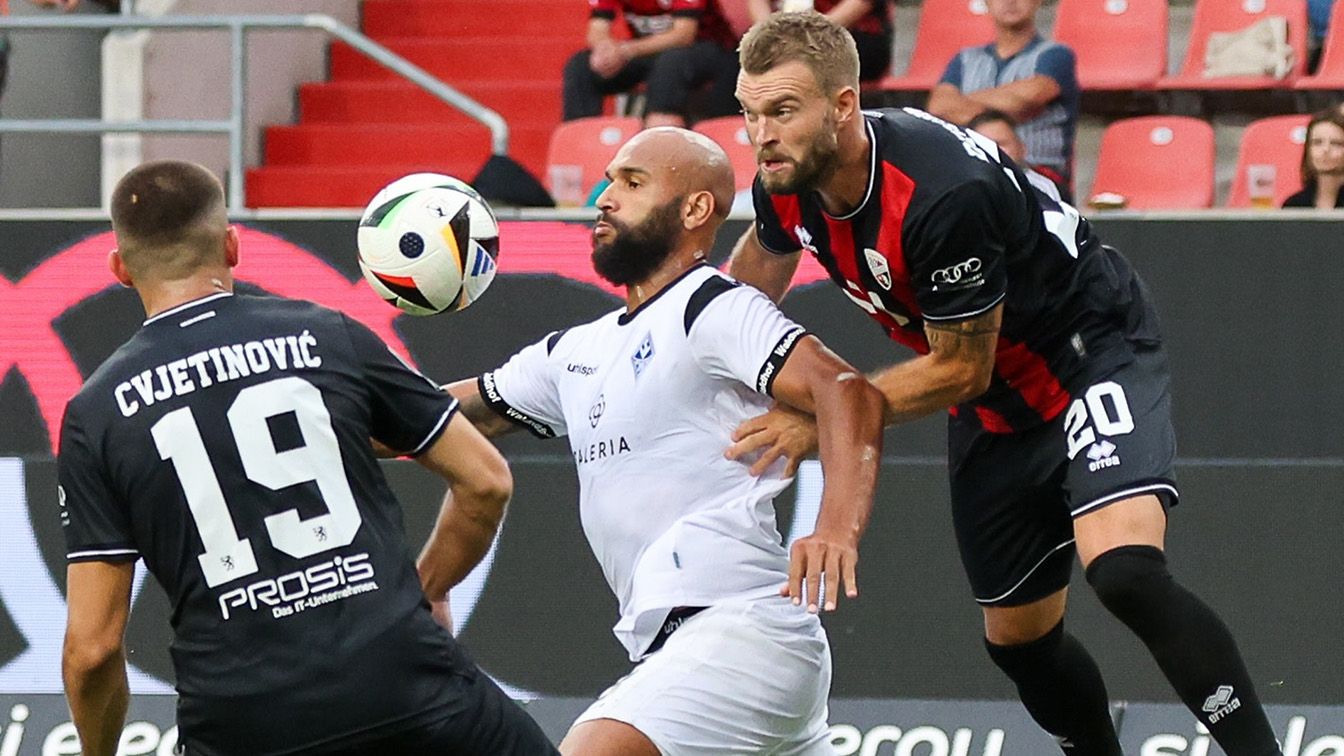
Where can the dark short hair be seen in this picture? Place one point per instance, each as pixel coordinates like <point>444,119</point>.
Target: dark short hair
<point>169,218</point>
<point>1329,115</point>
<point>822,45</point>
<point>991,115</point>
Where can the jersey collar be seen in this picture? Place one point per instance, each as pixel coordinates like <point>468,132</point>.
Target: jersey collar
<point>872,177</point>
<point>188,305</point>
<point>626,317</point>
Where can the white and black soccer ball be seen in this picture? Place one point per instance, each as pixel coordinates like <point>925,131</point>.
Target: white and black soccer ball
<point>428,244</point>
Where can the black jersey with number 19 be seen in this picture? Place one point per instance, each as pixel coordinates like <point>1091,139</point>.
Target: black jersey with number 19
<point>947,230</point>
<point>227,444</point>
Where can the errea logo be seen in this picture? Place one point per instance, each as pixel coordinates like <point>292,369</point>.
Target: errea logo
<point>1102,455</point>
<point>1221,703</point>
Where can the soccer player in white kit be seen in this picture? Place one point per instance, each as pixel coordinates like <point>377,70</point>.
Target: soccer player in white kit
<point>720,616</point>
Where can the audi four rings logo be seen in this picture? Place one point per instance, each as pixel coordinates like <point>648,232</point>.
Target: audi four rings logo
<point>954,273</point>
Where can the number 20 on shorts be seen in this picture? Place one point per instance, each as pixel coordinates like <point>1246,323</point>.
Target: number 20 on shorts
<point>1103,410</point>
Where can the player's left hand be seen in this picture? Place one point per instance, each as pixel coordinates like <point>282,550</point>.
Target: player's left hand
<point>819,566</point>
<point>781,432</point>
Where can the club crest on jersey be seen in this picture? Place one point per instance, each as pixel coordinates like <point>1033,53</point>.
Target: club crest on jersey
<point>878,265</point>
<point>640,359</point>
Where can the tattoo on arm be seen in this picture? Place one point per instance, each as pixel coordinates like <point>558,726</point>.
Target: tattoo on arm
<point>473,407</point>
<point>973,338</point>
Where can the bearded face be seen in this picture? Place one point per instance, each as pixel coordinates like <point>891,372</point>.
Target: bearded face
<point>631,253</point>
<point>805,171</point>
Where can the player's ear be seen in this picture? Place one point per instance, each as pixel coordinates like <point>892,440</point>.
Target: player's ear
<point>118,268</point>
<point>846,105</point>
<point>231,246</point>
<point>697,210</point>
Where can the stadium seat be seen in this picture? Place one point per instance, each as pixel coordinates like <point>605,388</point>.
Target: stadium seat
<point>1330,74</point>
<point>731,134</point>
<point>579,152</point>
<point>1275,141</point>
<point>1234,15</point>
<point>1120,44</point>
<point>945,26</point>
<point>1157,163</point>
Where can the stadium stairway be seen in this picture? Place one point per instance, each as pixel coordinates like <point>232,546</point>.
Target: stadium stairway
<point>366,125</point>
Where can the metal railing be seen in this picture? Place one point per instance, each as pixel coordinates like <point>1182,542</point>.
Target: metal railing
<point>235,125</point>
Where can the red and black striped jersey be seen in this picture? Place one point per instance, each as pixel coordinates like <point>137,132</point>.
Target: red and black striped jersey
<point>647,17</point>
<point>947,230</point>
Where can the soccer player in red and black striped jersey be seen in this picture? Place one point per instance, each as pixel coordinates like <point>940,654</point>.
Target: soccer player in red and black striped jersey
<point>1041,340</point>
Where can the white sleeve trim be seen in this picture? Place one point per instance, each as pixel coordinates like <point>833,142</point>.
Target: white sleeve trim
<point>433,434</point>
<point>101,552</point>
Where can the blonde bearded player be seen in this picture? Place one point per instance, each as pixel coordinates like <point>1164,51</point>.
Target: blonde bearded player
<point>649,396</point>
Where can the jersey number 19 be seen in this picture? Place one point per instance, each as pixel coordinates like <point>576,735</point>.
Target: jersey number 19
<point>227,557</point>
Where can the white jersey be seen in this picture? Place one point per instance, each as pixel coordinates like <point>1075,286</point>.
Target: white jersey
<point>649,400</point>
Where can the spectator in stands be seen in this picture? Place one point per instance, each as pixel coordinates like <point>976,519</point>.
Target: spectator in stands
<point>1322,163</point>
<point>868,22</point>
<point>1030,78</point>
<point>1000,127</point>
<point>1318,20</point>
<point>676,47</point>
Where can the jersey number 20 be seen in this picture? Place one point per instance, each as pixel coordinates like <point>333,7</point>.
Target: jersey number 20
<point>227,557</point>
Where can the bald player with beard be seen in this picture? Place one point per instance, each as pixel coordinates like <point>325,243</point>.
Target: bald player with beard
<point>721,617</point>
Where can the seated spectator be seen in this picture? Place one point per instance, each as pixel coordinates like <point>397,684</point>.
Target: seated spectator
<point>1318,21</point>
<point>1032,79</point>
<point>676,47</point>
<point>1000,127</point>
<point>868,22</point>
<point>1322,163</point>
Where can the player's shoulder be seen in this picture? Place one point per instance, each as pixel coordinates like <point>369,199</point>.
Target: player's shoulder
<point>937,157</point>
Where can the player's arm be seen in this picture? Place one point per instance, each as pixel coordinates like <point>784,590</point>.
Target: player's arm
<point>474,407</point>
<point>848,411</point>
<point>753,264</point>
<point>93,664</point>
<point>479,487</point>
<point>958,368</point>
<point>1023,100</point>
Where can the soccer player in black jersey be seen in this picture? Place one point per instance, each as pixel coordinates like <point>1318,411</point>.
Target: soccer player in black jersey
<point>227,445</point>
<point>1041,340</point>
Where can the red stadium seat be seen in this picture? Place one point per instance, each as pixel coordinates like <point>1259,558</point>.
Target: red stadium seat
<point>1157,163</point>
<point>1330,74</point>
<point>1273,141</point>
<point>1120,44</point>
<point>731,134</point>
<point>579,152</point>
<point>945,26</point>
<point>1234,15</point>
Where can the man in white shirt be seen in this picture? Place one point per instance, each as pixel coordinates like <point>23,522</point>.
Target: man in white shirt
<point>649,396</point>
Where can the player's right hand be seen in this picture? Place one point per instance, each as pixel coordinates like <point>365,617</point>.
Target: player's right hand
<point>820,565</point>
<point>781,432</point>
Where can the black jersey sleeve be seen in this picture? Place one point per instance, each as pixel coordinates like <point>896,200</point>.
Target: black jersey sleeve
<point>408,411</point>
<point>956,254</point>
<point>95,521</point>
<point>770,231</point>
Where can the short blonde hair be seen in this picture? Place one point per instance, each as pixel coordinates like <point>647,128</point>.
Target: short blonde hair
<point>809,37</point>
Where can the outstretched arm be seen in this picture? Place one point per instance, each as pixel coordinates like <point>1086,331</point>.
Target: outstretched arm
<point>958,367</point>
<point>848,412</point>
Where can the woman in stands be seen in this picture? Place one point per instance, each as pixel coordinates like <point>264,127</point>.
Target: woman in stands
<point>1322,163</point>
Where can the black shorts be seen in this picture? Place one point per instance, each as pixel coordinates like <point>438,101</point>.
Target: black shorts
<point>1014,495</point>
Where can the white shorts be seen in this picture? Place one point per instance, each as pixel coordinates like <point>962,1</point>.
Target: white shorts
<point>736,678</point>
